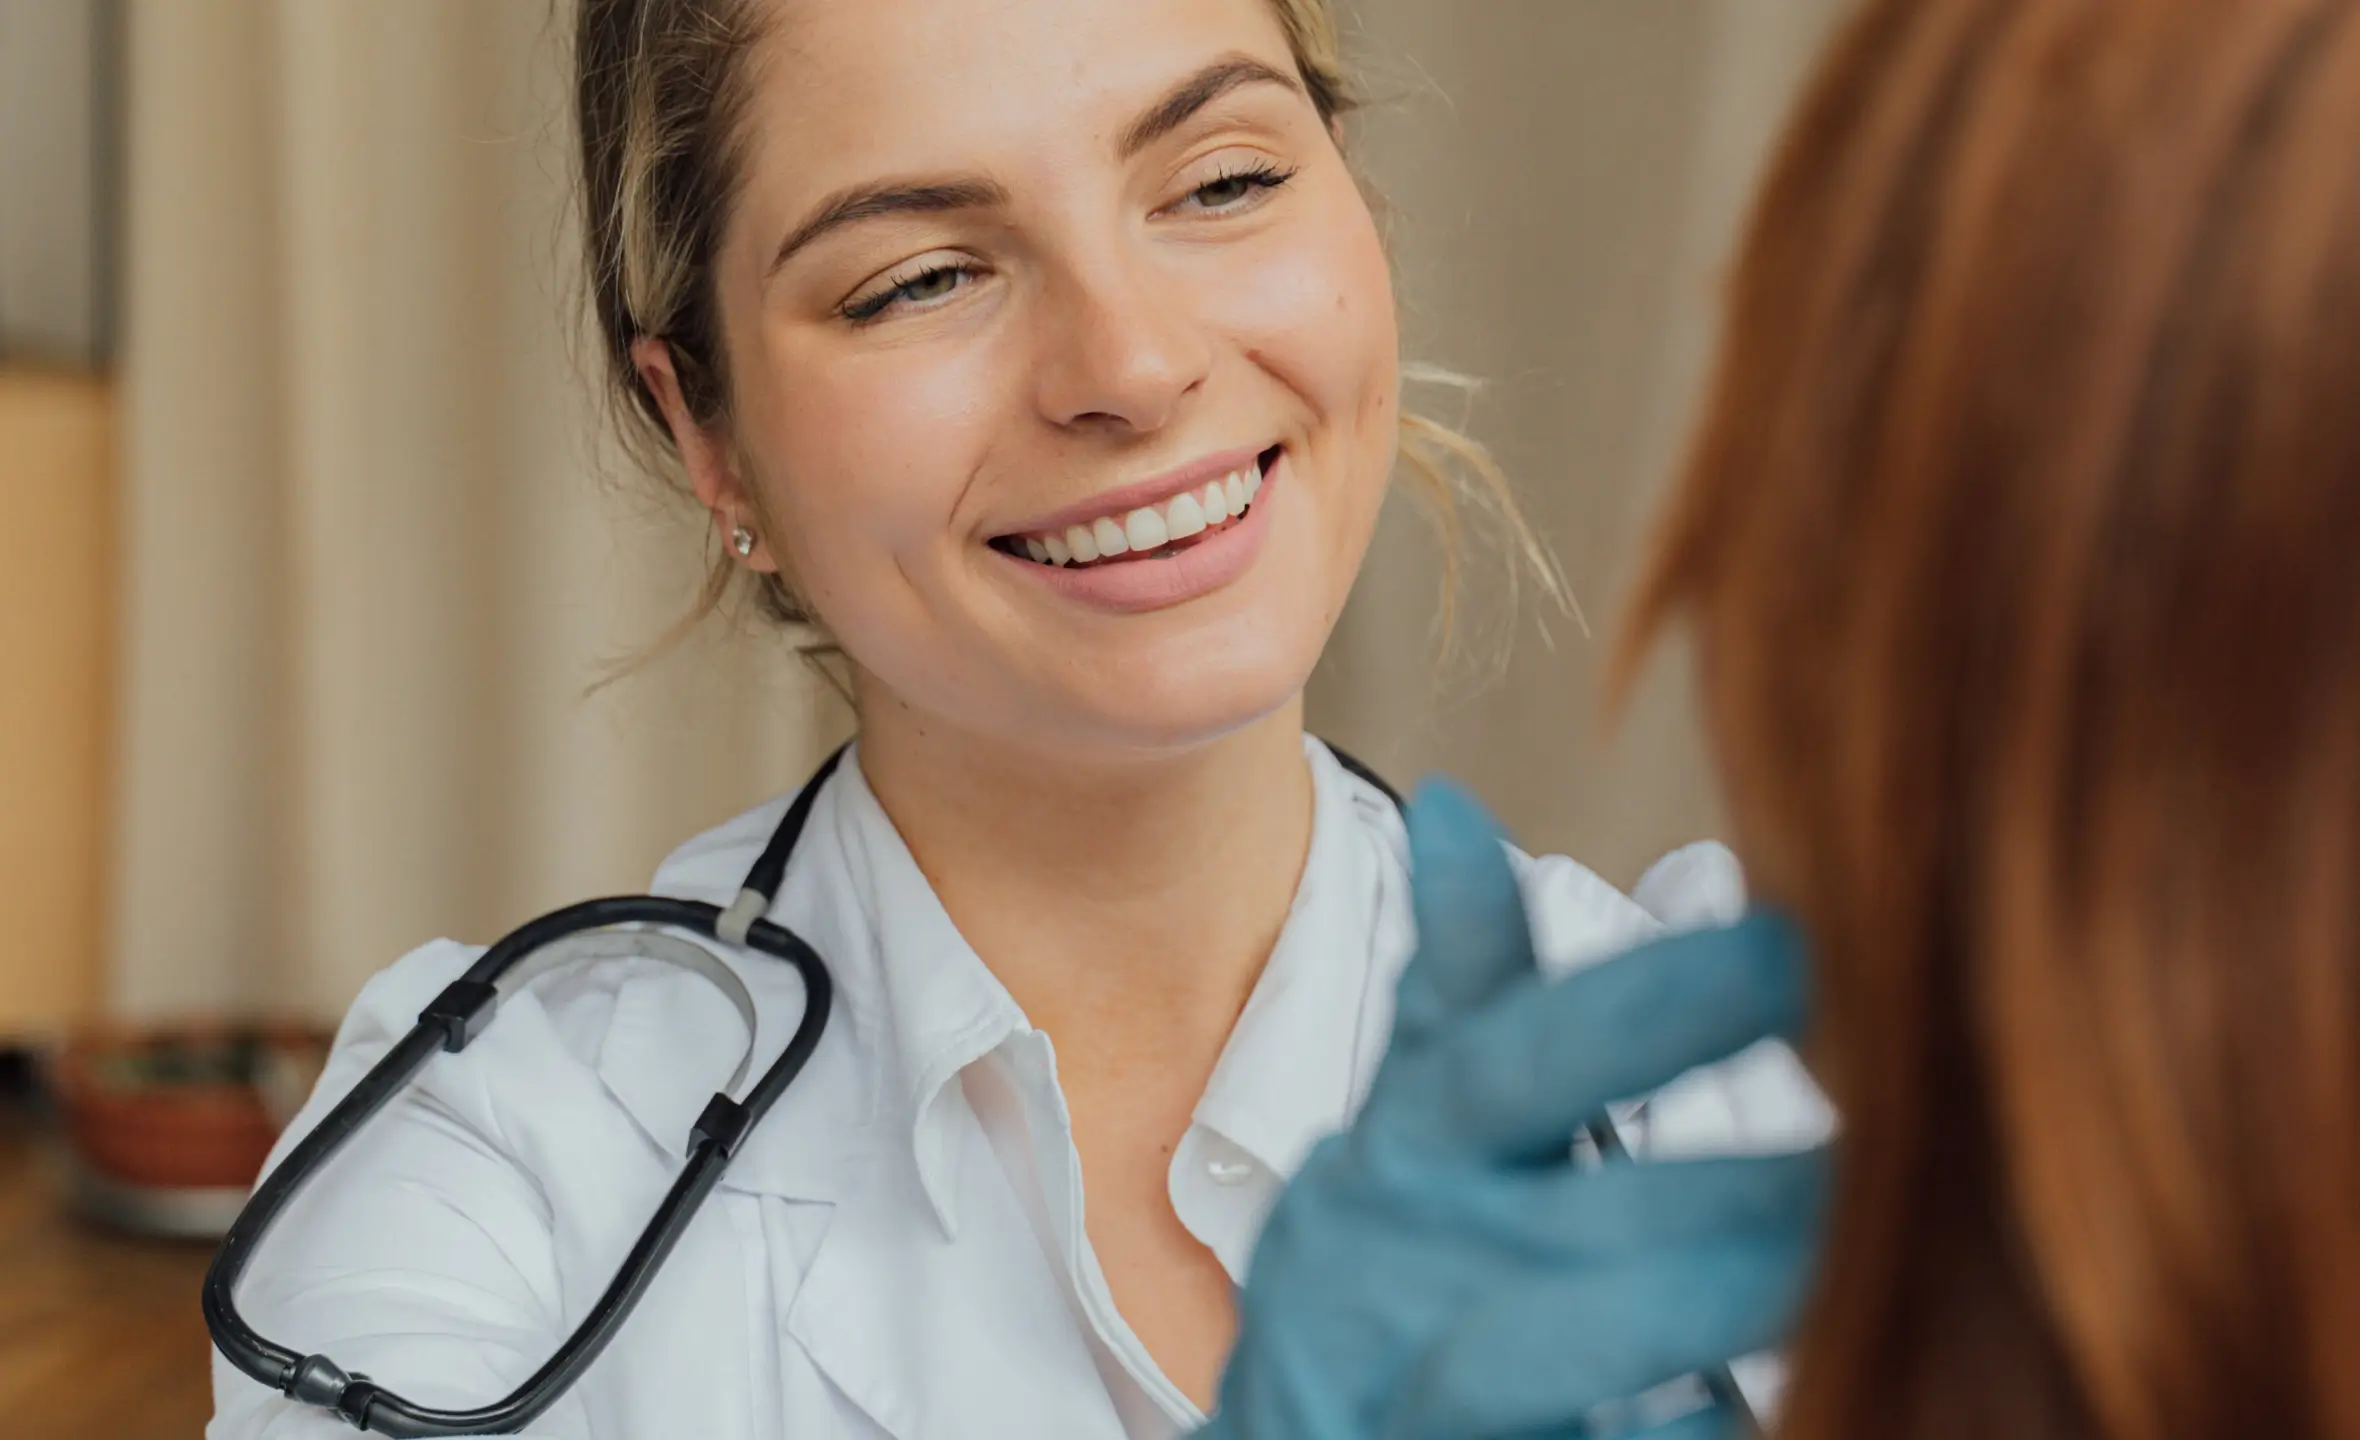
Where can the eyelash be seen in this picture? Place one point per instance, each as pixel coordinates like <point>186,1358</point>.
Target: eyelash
<point>1261,176</point>
<point>872,307</point>
<point>867,310</point>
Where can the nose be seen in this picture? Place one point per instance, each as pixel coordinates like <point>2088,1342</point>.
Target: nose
<point>1121,347</point>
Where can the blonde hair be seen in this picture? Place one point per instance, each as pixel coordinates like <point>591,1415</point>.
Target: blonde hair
<point>661,92</point>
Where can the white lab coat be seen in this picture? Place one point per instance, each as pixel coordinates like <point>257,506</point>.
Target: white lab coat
<point>898,1250</point>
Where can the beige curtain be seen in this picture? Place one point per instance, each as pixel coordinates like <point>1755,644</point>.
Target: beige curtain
<point>1564,180</point>
<point>373,550</point>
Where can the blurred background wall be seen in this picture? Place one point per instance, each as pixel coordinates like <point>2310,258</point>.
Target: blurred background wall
<point>374,551</point>
<point>1564,179</point>
<point>364,547</point>
<point>59,107</point>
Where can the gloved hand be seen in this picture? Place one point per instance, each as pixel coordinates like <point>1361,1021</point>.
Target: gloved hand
<point>1443,1269</point>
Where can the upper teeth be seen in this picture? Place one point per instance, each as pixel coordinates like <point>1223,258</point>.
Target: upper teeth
<point>1151,527</point>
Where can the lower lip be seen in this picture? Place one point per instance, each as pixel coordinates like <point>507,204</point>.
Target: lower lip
<point>1132,587</point>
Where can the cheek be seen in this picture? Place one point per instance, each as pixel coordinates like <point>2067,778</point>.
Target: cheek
<point>1326,312</point>
<point>864,461</point>
<point>1319,314</point>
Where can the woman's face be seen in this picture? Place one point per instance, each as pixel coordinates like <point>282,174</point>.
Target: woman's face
<point>1015,283</point>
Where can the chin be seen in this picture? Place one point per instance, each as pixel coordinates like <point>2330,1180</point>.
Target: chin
<point>1171,707</point>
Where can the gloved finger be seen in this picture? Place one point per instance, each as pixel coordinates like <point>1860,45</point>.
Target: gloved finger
<point>1279,1381</point>
<point>1473,935</point>
<point>1560,1346</point>
<point>1714,1424</point>
<point>1561,1214</point>
<point>1514,1082</point>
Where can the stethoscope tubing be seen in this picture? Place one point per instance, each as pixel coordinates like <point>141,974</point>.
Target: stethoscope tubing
<point>449,1024</point>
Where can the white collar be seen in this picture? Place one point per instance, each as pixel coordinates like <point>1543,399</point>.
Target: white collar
<point>1286,1077</point>
<point>1302,1048</point>
<point>920,1005</point>
<point>942,1008</point>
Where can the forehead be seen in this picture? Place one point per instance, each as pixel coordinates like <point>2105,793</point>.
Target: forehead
<point>852,89</point>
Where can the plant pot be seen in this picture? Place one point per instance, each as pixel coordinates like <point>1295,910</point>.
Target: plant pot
<point>186,1107</point>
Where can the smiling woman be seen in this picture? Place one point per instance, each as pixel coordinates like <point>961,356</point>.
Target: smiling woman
<point>660,182</point>
<point>1042,355</point>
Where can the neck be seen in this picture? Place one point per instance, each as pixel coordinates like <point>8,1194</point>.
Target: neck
<point>1122,901</point>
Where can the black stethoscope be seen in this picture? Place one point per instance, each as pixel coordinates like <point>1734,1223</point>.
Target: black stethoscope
<point>461,1012</point>
<point>456,1017</point>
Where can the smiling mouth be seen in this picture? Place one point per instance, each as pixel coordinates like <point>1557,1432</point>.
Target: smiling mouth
<point>1151,532</point>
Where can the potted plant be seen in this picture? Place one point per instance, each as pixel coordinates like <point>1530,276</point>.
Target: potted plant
<point>170,1126</point>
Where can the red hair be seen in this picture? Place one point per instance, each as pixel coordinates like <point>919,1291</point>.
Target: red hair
<point>2023,548</point>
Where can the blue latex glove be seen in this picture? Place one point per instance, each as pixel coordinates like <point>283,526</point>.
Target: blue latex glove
<point>1444,1270</point>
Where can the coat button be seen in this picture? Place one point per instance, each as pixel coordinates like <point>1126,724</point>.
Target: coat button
<point>1229,1172</point>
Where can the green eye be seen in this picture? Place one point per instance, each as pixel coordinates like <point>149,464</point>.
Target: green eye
<point>933,284</point>
<point>1237,189</point>
<point>1223,193</point>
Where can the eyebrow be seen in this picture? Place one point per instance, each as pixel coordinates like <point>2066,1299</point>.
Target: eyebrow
<point>872,202</point>
<point>858,203</point>
<point>1194,94</point>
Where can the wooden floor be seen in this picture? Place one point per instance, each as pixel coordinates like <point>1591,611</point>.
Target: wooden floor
<point>100,1338</point>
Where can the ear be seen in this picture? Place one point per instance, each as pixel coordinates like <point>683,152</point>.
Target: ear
<point>705,454</point>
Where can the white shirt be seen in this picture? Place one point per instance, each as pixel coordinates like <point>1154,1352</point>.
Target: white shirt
<point>898,1250</point>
